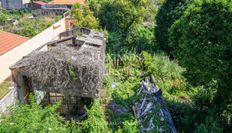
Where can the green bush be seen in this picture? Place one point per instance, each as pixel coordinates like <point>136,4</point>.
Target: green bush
<point>140,38</point>
<point>3,17</point>
<point>201,40</point>
<point>209,126</point>
<point>33,118</point>
<point>168,75</point>
<point>203,100</point>
<point>130,126</point>
<point>169,12</point>
<point>95,122</point>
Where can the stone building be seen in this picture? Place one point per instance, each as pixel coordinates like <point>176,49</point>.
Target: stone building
<point>67,69</point>
<point>14,4</point>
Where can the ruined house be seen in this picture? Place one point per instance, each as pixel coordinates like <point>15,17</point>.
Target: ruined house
<point>59,7</point>
<point>66,69</point>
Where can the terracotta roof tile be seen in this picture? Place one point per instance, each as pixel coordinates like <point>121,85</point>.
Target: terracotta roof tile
<point>67,2</point>
<point>40,2</point>
<point>9,41</point>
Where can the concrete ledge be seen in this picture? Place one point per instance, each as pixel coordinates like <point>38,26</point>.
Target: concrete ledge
<point>8,100</point>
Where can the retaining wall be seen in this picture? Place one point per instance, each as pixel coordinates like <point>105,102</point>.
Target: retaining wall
<point>8,100</point>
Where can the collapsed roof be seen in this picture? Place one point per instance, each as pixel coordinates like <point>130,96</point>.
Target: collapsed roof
<point>65,66</point>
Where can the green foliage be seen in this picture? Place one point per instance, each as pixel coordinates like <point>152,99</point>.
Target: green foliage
<point>33,118</point>
<point>168,75</point>
<point>130,23</point>
<point>118,15</point>
<point>169,12</point>
<point>84,17</point>
<point>95,123</point>
<point>140,38</point>
<point>201,40</point>
<point>199,35</point>
<point>130,126</point>
<point>124,96</point>
<point>25,26</point>
<point>4,88</point>
<point>71,70</point>
<point>204,98</point>
<point>30,28</point>
<point>125,93</point>
<point>121,86</point>
<point>209,126</point>
<point>3,17</point>
<point>115,43</point>
<point>226,117</point>
<point>125,66</point>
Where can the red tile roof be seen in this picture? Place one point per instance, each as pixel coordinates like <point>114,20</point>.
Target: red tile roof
<point>9,41</point>
<point>40,3</point>
<point>67,2</point>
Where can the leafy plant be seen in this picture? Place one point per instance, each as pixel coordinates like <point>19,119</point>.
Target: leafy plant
<point>95,122</point>
<point>209,126</point>
<point>33,118</point>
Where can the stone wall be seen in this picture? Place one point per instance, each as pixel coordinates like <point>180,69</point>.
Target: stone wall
<point>8,100</point>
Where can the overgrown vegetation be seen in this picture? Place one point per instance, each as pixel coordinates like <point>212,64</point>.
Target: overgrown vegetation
<point>4,88</point>
<point>33,118</point>
<point>24,23</point>
<point>95,122</point>
<point>201,42</point>
<point>195,34</point>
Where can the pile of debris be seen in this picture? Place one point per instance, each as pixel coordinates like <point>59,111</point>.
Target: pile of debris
<point>150,110</point>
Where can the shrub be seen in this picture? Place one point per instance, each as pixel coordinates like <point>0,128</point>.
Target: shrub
<point>33,118</point>
<point>3,17</point>
<point>95,122</point>
<point>168,74</point>
<point>140,38</point>
<point>130,126</point>
<point>209,126</point>
<point>169,12</point>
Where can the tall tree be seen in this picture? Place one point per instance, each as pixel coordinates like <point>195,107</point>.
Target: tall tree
<point>169,12</point>
<point>201,40</point>
<point>84,16</point>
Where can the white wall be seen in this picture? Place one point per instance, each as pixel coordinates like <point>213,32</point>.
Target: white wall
<point>11,57</point>
<point>8,100</point>
<point>25,1</point>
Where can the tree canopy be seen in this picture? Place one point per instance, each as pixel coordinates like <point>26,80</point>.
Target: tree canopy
<point>83,16</point>
<point>201,40</point>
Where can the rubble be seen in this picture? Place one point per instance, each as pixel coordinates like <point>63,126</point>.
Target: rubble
<point>150,110</point>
